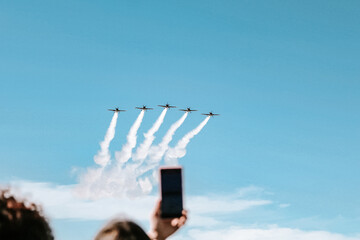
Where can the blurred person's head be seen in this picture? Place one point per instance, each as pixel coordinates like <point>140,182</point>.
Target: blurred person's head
<point>21,220</point>
<point>122,230</point>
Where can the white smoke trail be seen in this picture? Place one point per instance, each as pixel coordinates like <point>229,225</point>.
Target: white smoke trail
<point>134,179</point>
<point>125,154</point>
<point>125,181</point>
<point>157,152</point>
<point>90,183</point>
<point>143,150</point>
<point>112,180</point>
<point>103,156</point>
<point>179,151</point>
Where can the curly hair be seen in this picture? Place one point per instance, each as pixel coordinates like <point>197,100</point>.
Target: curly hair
<point>20,220</point>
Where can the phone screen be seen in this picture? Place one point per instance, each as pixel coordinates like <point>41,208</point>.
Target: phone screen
<point>171,192</point>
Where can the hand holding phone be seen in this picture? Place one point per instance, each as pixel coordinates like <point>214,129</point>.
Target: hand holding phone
<point>162,228</point>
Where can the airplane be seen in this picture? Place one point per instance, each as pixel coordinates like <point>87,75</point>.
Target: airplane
<point>187,110</point>
<point>116,110</point>
<point>167,106</point>
<point>144,108</point>
<point>210,114</point>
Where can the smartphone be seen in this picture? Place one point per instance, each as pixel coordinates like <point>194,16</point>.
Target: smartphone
<point>171,192</point>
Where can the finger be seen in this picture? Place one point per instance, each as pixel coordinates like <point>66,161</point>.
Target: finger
<point>174,222</point>
<point>184,213</point>
<point>157,208</point>
<point>182,221</point>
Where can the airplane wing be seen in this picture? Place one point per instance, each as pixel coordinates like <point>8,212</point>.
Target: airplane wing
<point>210,115</point>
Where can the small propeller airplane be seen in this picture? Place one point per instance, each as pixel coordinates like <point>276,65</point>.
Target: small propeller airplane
<point>167,106</point>
<point>210,114</point>
<point>187,110</point>
<point>117,110</point>
<point>144,108</point>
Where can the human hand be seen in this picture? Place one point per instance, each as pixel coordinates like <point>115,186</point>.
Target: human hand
<point>164,227</point>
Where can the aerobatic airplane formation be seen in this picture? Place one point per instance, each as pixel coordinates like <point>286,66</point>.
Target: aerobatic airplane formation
<point>188,109</point>
<point>139,163</point>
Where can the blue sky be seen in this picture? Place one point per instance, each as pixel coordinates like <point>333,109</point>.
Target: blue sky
<point>283,76</point>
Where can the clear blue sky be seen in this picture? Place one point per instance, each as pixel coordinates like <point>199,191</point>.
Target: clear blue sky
<point>284,75</point>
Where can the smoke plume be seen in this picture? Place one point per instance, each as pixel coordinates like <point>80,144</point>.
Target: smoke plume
<point>125,154</point>
<point>143,150</point>
<point>103,156</point>
<point>179,151</point>
<point>157,152</point>
<point>138,176</point>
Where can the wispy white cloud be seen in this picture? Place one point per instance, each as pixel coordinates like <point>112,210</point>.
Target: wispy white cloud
<point>207,213</point>
<point>223,204</point>
<point>60,202</point>
<point>271,233</point>
<point>284,205</point>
